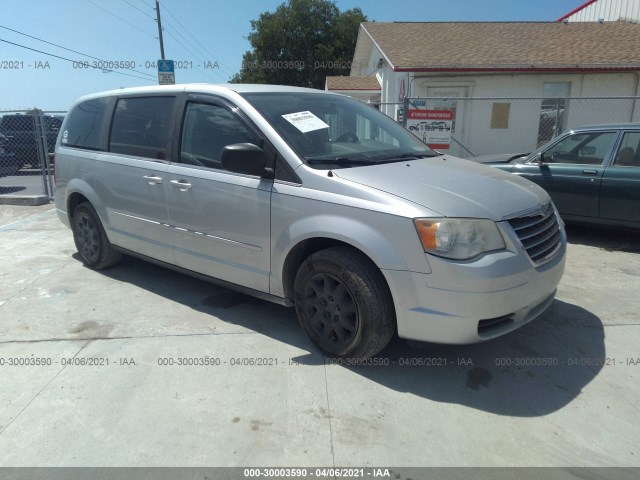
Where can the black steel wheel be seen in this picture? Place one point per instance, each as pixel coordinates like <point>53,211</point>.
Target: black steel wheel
<point>330,310</point>
<point>90,239</point>
<point>344,304</point>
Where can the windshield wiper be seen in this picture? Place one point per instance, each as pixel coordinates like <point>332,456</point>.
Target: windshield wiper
<point>341,161</point>
<point>406,156</point>
<point>369,160</point>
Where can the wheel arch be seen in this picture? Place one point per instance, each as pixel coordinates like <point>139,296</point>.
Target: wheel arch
<point>79,191</point>
<point>344,303</point>
<point>309,234</point>
<point>73,200</point>
<point>307,247</point>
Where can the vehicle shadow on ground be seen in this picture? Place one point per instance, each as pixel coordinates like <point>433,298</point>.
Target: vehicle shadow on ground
<point>533,371</point>
<point>607,239</point>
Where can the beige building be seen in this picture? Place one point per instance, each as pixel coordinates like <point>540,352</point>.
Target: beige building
<point>448,61</point>
<point>364,88</point>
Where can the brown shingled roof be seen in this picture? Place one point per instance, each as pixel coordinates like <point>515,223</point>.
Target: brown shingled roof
<point>352,83</point>
<point>508,45</point>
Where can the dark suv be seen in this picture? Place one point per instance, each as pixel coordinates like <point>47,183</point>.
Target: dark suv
<point>20,132</point>
<point>9,165</point>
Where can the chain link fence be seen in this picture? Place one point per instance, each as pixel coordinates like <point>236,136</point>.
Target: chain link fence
<point>27,142</point>
<point>474,127</point>
<point>508,125</point>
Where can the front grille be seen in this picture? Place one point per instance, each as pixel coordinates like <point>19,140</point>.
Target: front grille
<point>540,234</point>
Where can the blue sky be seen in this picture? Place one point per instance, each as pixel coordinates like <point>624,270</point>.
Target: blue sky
<point>197,32</point>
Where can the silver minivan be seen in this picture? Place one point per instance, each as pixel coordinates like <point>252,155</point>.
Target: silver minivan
<point>313,200</point>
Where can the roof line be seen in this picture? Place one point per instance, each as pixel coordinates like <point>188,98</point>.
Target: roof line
<point>518,69</point>
<point>469,21</point>
<point>377,46</point>
<point>577,9</point>
<point>356,89</point>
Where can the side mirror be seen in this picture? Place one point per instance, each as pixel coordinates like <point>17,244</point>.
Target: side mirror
<point>244,158</point>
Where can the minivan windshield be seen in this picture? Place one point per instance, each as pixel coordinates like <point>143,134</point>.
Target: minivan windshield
<point>335,131</point>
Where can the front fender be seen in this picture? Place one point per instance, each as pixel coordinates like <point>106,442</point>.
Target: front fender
<point>390,242</point>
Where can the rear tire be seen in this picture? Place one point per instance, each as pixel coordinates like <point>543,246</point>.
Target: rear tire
<point>344,304</point>
<point>91,240</point>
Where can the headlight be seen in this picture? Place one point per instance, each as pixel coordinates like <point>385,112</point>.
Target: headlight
<point>458,238</point>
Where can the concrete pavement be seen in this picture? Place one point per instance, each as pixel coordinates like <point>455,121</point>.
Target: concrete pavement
<point>562,391</point>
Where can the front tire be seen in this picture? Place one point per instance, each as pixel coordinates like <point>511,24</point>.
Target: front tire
<point>91,240</point>
<point>343,303</point>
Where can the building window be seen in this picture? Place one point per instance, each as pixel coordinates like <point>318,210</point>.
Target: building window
<point>500,115</point>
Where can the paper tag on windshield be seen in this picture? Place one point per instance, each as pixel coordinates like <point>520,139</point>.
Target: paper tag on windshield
<point>305,121</point>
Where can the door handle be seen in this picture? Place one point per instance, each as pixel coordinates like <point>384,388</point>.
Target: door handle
<point>181,184</point>
<point>590,172</point>
<point>153,180</point>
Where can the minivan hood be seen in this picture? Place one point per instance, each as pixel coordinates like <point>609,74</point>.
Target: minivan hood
<point>451,186</point>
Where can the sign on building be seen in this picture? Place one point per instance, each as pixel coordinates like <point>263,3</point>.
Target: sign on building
<point>433,127</point>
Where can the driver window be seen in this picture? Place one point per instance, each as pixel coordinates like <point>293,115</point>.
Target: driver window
<point>206,130</point>
<point>582,148</point>
<point>350,127</point>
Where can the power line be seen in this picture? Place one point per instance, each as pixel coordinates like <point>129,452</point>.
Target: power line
<point>204,49</point>
<point>188,51</point>
<point>120,18</point>
<point>141,11</point>
<point>50,43</point>
<point>183,37</point>
<point>70,60</point>
<point>68,49</point>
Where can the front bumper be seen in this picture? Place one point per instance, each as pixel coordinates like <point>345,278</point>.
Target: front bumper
<point>473,301</point>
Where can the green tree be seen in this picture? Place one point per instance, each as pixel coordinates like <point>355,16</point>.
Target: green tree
<point>300,44</point>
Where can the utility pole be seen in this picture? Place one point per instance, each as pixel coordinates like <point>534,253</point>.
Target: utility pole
<point>159,30</point>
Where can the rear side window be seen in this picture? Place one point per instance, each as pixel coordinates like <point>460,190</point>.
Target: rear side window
<point>83,126</point>
<point>628,154</point>
<point>141,127</point>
